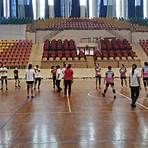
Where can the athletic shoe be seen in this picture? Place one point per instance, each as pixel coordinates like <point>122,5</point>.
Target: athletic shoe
<point>103,94</point>
<point>60,90</point>
<point>114,97</point>
<point>133,105</point>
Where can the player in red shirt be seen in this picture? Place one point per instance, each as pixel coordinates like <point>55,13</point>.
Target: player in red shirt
<point>68,79</point>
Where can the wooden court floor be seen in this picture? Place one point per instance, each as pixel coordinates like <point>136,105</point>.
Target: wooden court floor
<point>86,120</point>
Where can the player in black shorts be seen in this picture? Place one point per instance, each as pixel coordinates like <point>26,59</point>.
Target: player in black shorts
<point>16,77</point>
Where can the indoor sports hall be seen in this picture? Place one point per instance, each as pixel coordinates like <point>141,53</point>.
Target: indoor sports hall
<point>73,73</point>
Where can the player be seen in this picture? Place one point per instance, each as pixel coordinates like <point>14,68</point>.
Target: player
<point>16,77</point>
<point>98,76</point>
<point>109,79</point>
<point>3,73</point>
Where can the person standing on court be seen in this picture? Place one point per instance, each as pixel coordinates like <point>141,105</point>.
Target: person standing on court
<point>38,77</point>
<point>109,79</point>
<point>29,76</point>
<point>53,73</point>
<point>16,77</point>
<point>68,79</point>
<point>145,77</point>
<point>3,73</point>
<point>59,76</point>
<point>134,83</point>
<point>98,76</point>
<point>123,71</point>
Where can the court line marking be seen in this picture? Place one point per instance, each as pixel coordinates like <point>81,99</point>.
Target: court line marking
<point>69,105</point>
<point>128,98</point>
<point>14,113</point>
<point>75,142</point>
<point>89,94</point>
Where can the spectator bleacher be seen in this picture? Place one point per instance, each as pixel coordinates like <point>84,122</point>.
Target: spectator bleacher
<point>79,24</point>
<point>114,48</point>
<point>134,24</point>
<point>15,20</point>
<point>144,45</point>
<point>61,49</point>
<point>15,52</point>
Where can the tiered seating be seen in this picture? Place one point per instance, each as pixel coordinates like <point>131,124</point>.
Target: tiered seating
<point>139,24</point>
<point>15,53</point>
<point>113,48</point>
<point>79,24</point>
<point>60,49</point>
<point>15,20</point>
<point>144,45</point>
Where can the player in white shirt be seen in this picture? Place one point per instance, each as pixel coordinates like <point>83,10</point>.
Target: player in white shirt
<point>29,76</point>
<point>3,73</point>
<point>63,72</point>
<point>134,83</point>
<point>64,68</point>
<point>59,76</point>
<point>38,77</point>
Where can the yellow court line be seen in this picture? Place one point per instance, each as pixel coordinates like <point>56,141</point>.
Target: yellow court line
<point>69,105</point>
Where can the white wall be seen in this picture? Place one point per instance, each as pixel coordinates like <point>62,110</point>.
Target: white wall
<point>136,36</point>
<point>30,36</point>
<point>124,33</point>
<point>12,32</point>
<point>78,34</point>
<point>40,35</point>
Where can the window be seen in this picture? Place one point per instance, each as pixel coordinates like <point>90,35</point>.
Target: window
<point>13,8</point>
<point>51,2</point>
<point>6,4</point>
<point>137,2</point>
<point>34,8</point>
<point>145,9</point>
<point>82,2</point>
<point>90,8</point>
<point>42,8</point>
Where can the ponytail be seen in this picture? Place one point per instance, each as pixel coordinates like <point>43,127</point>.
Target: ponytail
<point>133,70</point>
<point>134,66</point>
